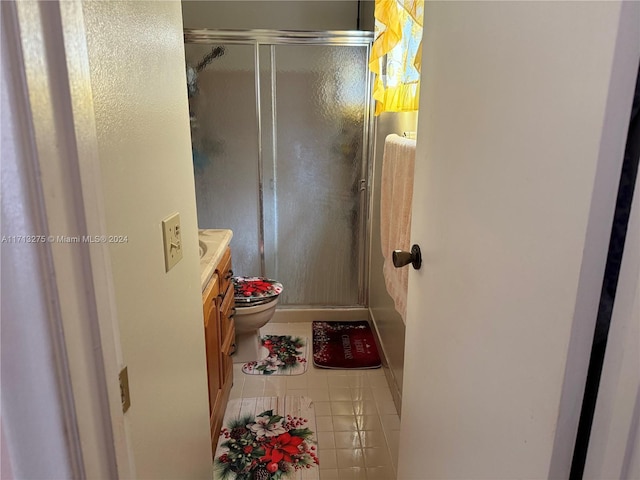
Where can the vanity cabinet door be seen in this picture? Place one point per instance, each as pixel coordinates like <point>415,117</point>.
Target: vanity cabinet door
<point>220,334</point>
<point>212,342</point>
<point>227,311</point>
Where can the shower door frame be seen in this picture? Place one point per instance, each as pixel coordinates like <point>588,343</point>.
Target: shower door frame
<point>272,38</point>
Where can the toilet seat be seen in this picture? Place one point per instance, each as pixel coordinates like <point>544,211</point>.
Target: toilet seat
<point>251,291</point>
<point>256,299</point>
<point>254,303</point>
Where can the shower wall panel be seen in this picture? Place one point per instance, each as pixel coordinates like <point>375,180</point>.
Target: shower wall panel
<point>388,322</point>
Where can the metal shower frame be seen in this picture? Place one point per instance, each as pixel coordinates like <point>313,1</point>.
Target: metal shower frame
<point>271,38</point>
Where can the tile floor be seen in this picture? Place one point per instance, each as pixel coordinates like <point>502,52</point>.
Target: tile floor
<point>356,420</point>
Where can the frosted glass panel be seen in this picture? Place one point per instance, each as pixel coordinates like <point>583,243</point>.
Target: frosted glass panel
<point>320,115</point>
<point>222,104</point>
<point>308,148</point>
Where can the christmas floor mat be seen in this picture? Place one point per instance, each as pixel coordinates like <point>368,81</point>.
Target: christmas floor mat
<point>344,345</point>
<point>286,355</point>
<point>268,438</point>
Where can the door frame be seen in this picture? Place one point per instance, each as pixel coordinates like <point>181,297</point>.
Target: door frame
<point>55,97</point>
<point>56,117</point>
<point>612,147</point>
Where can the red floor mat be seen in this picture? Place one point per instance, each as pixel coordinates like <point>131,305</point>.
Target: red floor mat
<point>344,345</point>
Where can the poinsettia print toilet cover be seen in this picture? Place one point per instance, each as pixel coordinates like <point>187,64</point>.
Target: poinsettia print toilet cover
<point>250,289</point>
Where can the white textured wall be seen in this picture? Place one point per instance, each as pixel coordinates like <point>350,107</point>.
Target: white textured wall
<point>136,58</point>
<point>281,15</point>
<point>523,118</point>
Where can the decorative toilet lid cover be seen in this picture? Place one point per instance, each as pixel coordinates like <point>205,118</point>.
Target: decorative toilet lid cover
<point>252,289</point>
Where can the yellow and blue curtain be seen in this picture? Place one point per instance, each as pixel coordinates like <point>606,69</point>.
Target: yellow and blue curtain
<point>396,55</point>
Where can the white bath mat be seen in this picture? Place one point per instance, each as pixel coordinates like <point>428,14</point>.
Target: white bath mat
<point>287,355</point>
<point>268,438</point>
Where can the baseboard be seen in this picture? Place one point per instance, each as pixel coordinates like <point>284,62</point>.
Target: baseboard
<point>291,315</point>
<point>396,393</point>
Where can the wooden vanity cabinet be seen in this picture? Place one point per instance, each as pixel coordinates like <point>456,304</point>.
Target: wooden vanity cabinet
<point>219,330</point>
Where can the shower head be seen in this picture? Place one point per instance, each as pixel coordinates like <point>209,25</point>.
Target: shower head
<point>192,72</point>
<point>209,57</point>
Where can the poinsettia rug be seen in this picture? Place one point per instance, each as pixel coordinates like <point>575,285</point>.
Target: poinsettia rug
<point>286,355</point>
<point>268,438</point>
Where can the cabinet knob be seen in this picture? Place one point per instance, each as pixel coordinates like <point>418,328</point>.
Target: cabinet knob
<point>229,274</point>
<point>233,348</point>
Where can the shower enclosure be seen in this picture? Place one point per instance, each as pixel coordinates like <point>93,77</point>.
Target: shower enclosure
<point>280,127</point>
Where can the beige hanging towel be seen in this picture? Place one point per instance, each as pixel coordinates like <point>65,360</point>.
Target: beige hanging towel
<point>395,213</point>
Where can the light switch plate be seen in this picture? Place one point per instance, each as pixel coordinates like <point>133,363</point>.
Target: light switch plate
<point>172,237</point>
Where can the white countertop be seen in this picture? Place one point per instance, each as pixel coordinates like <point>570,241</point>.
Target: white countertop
<point>216,242</point>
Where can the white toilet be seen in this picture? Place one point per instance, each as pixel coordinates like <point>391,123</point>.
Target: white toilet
<point>256,299</point>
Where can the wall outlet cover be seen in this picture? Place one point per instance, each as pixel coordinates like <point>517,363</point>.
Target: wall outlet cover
<point>172,238</point>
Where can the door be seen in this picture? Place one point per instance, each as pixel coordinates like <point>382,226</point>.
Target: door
<point>313,197</point>
<point>524,114</point>
<point>279,123</point>
<point>224,131</point>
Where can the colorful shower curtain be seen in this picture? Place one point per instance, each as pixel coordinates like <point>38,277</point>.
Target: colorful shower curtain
<point>396,55</point>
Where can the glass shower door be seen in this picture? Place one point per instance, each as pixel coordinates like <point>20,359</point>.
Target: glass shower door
<point>314,182</point>
<point>224,135</point>
<point>279,125</point>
